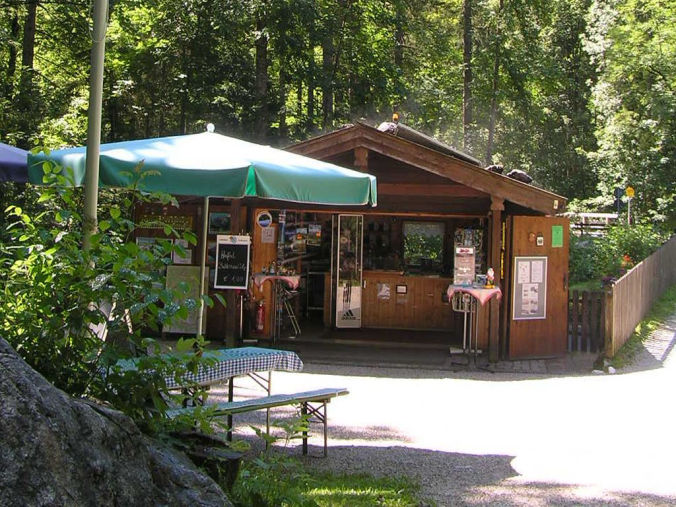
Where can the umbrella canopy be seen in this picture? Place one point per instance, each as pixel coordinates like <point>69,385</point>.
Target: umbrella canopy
<point>13,164</point>
<point>210,164</point>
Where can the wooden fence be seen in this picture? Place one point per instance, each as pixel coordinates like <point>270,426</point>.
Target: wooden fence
<point>586,321</point>
<point>632,296</point>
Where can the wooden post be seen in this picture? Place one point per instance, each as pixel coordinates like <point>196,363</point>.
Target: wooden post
<point>497,206</point>
<point>361,158</point>
<point>609,338</point>
<point>232,312</point>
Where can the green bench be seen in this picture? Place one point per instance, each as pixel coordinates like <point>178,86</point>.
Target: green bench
<point>313,403</point>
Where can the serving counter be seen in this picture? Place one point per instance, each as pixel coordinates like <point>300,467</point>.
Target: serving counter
<point>391,299</point>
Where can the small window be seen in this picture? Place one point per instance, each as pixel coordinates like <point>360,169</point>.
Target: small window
<point>424,246</point>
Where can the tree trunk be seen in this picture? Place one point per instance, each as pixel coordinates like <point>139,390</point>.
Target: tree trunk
<point>299,108</point>
<point>261,122</point>
<point>399,39</point>
<point>283,79</point>
<point>26,102</point>
<point>495,87</point>
<point>15,29</point>
<point>328,58</point>
<point>467,75</point>
<point>310,118</point>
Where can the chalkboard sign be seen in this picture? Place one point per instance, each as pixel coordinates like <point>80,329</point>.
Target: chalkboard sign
<point>232,262</point>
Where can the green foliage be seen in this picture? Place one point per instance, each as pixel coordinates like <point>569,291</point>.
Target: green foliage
<point>579,93</point>
<point>279,480</point>
<point>582,261</point>
<point>611,256</point>
<point>633,44</point>
<point>56,299</point>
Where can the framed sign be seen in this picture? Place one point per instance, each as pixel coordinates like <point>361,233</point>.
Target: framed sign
<point>177,258</point>
<point>232,262</point>
<point>264,219</point>
<point>529,296</point>
<point>186,277</point>
<point>219,222</point>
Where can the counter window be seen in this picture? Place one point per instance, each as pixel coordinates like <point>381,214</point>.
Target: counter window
<point>424,246</point>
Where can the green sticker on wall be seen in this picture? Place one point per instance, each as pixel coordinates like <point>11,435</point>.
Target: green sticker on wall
<point>557,236</point>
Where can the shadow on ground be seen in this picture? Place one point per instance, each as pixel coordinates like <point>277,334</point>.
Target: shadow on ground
<point>450,478</point>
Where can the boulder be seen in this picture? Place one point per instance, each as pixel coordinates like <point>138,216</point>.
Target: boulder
<point>56,450</point>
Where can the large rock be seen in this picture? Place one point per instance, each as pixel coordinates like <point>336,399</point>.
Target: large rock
<point>56,450</point>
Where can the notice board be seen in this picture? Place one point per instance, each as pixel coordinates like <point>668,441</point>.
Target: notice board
<point>232,262</point>
<point>529,297</point>
<point>185,278</point>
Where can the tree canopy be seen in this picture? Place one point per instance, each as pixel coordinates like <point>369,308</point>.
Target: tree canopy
<point>579,93</point>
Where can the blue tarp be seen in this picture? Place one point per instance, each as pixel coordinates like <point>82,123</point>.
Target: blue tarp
<point>13,164</point>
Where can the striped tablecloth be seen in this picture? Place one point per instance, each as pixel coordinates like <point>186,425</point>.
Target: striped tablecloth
<point>228,363</point>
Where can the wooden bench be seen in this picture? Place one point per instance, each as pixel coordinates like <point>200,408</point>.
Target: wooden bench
<point>313,403</point>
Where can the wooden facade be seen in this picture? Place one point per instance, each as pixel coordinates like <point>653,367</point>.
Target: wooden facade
<point>416,184</point>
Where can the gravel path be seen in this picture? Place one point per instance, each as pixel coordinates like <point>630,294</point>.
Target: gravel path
<point>477,438</point>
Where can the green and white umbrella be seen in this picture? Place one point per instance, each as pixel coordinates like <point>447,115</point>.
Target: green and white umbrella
<point>210,164</point>
<point>213,165</point>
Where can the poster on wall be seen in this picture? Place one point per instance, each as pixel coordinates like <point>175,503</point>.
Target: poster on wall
<point>348,305</point>
<point>232,262</point>
<point>185,276</point>
<point>178,257</point>
<point>529,298</point>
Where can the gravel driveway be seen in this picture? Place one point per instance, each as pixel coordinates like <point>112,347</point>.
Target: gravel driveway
<point>475,437</point>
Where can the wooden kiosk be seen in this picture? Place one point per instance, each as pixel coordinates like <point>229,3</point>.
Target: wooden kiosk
<point>389,267</point>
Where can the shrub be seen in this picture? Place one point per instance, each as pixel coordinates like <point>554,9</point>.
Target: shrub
<point>54,295</point>
<point>622,248</point>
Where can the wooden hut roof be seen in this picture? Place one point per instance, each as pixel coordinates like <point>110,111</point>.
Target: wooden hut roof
<point>447,163</point>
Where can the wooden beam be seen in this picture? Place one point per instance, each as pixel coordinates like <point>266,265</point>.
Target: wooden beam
<point>232,310</point>
<point>434,162</point>
<point>428,190</point>
<point>361,159</point>
<point>495,249</point>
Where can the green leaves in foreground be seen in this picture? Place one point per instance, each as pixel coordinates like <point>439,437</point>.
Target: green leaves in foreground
<point>275,480</point>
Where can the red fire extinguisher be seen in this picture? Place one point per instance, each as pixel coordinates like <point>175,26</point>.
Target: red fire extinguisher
<point>260,315</point>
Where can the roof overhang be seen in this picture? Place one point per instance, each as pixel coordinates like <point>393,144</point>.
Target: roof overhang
<point>460,171</point>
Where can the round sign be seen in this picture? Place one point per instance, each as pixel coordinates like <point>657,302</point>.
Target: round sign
<point>630,192</point>
<point>264,219</point>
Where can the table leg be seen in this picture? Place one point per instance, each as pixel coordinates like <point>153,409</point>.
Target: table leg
<point>267,412</point>
<point>303,411</point>
<point>231,395</point>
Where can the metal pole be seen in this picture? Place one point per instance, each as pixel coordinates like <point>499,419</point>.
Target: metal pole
<point>628,211</point>
<point>100,15</point>
<point>205,231</point>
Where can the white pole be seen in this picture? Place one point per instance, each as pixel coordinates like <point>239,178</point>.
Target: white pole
<point>205,231</point>
<point>91,196</point>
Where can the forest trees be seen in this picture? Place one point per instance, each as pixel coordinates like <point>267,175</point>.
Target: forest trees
<point>633,44</point>
<point>579,93</point>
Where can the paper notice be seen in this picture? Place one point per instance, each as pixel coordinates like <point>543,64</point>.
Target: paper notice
<point>537,269</point>
<point>523,272</point>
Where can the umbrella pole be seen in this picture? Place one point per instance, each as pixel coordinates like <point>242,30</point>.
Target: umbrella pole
<point>94,121</point>
<point>205,230</point>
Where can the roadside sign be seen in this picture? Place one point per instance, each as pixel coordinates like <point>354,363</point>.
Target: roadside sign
<point>629,192</point>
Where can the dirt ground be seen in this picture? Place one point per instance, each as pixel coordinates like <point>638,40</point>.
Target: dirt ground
<point>474,437</point>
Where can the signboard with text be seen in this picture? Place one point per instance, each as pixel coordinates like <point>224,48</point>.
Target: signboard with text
<point>232,262</point>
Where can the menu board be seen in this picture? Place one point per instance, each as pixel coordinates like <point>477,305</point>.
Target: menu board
<point>529,295</point>
<point>464,265</point>
<point>232,262</point>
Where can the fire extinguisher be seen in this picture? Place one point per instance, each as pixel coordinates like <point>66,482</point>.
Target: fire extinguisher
<point>260,315</point>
